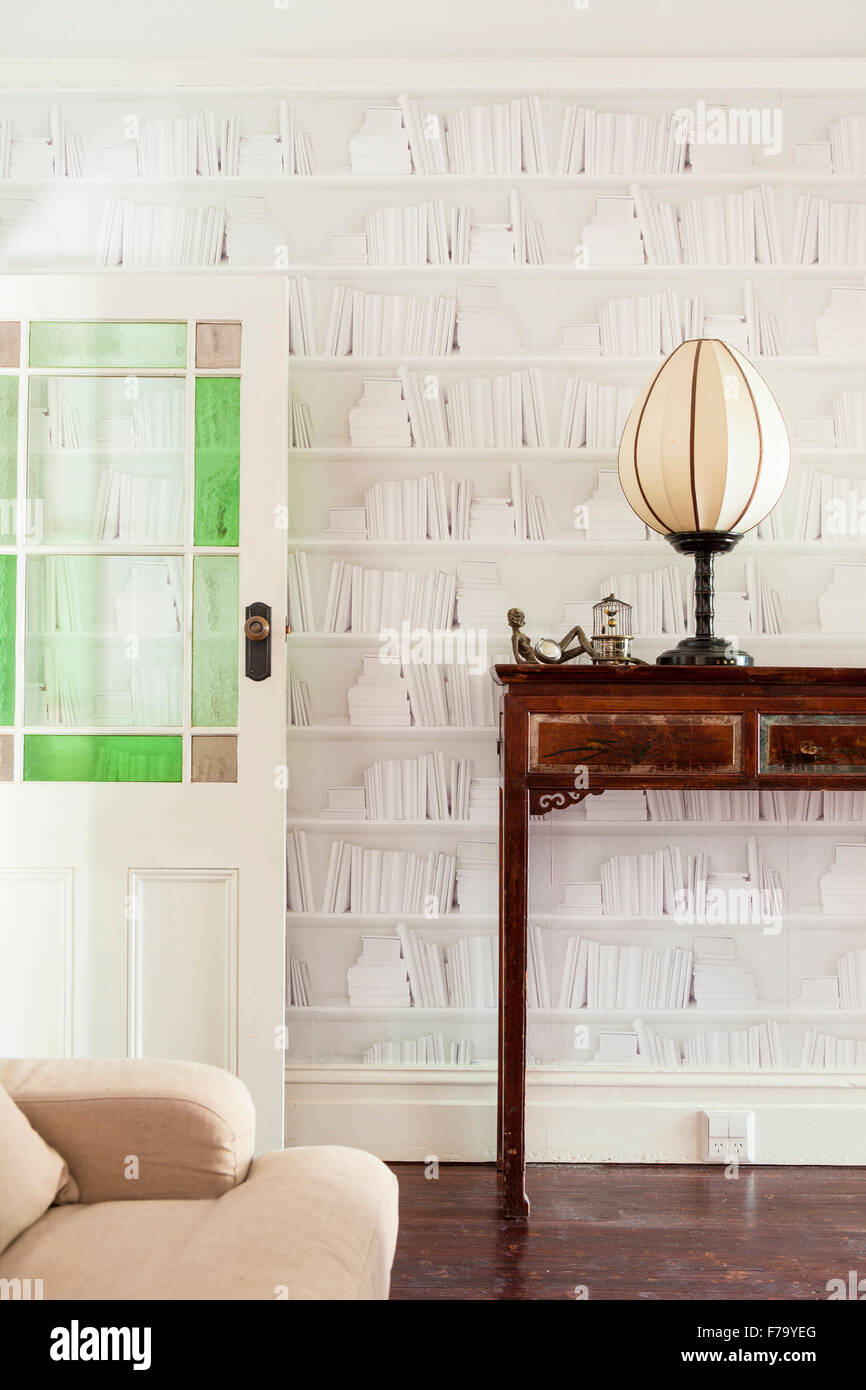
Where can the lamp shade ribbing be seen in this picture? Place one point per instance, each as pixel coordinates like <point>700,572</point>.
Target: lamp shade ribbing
<point>705,447</point>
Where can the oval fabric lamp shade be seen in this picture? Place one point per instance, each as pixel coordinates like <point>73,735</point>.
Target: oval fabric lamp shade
<point>705,447</point>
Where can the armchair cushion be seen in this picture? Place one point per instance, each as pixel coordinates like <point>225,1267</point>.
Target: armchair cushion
<point>32,1175</point>
<point>138,1129</point>
<point>308,1224</point>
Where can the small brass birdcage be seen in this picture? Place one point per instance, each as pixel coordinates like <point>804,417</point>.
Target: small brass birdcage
<point>611,629</point>
<point>610,642</point>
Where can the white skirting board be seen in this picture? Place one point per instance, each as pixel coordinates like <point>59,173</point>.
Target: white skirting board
<point>807,1118</point>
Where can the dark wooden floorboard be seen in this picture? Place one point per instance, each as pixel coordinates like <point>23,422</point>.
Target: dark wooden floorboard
<point>630,1232</point>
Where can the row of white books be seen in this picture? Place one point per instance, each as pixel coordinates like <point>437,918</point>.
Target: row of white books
<point>429,233</point>
<point>417,509</point>
<point>388,881</point>
<point>300,425</point>
<point>486,412</point>
<point>499,138</point>
<point>828,233</point>
<point>379,978</point>
<point>300,604</point>
<point>657,599</point>
<point>631,326</point>
<point>364,324</point>
<point>843,887</point>
<point>207,145</point>
<point>141,235</point>
<point>664,883</point>
<point>714,229</point>
<point>298,990</point>
<point>408,509</point>
<point>299,880</point>
<point>32,158</point>
<point>148,603</point>
<point>462,975</point>
<point>599,142</point>
<point>426,694</point>
<point>659,604</point>
<point>449,695</point>
<point>711,229</point>
<point>154,420</point>
<point>594,414</point>
<point>302,332</point>
<point>829,507</point>
<point>369,600</point>
<point>826,1051</point>
<point>647,325</point>
<point>408,789</point>
<point>300,705</point>
<point>842,607</point>
<point>518,241</point>
<point>152,700</point>
<point>758,1045</point>
<point>138,508</point>
<point>603,975</point>
<point>429,1050</point>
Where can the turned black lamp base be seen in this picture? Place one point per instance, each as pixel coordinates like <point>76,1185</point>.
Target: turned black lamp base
<point>704,649</point>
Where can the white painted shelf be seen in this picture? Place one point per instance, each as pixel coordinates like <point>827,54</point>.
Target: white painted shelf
<point>364,733</point>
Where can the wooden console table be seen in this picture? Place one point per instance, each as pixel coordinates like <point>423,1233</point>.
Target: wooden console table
<point>571,731</point>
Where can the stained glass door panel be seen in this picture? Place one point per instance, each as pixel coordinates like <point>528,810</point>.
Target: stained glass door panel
<point>141,829</point>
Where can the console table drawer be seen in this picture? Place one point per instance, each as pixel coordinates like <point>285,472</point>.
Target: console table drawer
<point>637,745</point>
<point>817,743</point>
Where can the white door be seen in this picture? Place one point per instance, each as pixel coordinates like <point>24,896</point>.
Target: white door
<point>143,437</point>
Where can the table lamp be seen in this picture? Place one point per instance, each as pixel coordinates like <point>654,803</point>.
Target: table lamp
<point>704,456</point>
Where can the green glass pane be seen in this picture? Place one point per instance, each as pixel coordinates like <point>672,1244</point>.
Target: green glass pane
<point>102,758</point>
<point>217,459</point>
<point>99,344</point>
<point>8,455</point>
<point>215,641</point>
<point>7,639</point>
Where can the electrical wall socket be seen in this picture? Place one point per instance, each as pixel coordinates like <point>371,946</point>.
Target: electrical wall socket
<point>727,1135</point>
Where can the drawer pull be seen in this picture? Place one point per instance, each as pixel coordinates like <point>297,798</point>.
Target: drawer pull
<point>809,750</point>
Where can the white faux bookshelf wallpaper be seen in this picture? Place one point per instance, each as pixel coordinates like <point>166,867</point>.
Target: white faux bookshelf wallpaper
<point>479,285</point>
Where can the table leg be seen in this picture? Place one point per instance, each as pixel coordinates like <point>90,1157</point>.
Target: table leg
<point>499,1106</point>
<point>512,996</point>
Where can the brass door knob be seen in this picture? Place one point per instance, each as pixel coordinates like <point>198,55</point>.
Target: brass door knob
<point>256,629</point>
<point>809,750</point>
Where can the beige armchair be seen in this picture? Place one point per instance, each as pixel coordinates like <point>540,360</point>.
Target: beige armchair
<point>172,1203</point>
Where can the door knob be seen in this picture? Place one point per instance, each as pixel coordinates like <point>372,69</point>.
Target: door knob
<point>257,641</point>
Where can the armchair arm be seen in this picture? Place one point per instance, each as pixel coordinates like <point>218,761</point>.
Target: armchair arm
<point>138,1129</point>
